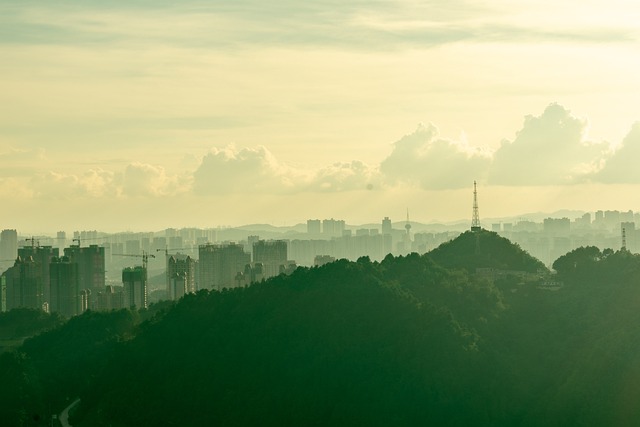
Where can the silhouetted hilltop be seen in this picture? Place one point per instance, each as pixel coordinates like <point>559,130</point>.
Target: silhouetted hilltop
<point>484,249</point>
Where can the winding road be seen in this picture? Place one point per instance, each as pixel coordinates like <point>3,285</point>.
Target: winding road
<point>64,415</point>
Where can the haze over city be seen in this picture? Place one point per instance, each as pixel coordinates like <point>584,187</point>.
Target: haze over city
<point>130,115</point>
<point>288,213</point>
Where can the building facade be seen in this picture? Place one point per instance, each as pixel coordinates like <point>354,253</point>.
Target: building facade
<point>220,264</point>
<point>65,287</point>
<point>134,280</point>
<point>181,273</point>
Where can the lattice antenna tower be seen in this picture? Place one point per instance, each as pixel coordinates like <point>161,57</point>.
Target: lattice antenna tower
<point>624,239</point>
<point>475,219</point>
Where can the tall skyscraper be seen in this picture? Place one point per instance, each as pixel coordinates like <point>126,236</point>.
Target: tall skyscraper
<point>272,254</point>
<point>42,256</point>
<point>333,227</point>
<point>91,266</point>
<point>8,248</point>
<point>65,287</point>
<point>134,280</point>
<point>219,265</point>
<point>314,226</point>
<point>24,283</point>
<point>181,273</point>
<point>386,225</point>
<point>61,240</point>
<point>8,244</point>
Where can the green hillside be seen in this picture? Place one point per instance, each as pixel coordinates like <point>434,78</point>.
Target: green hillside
<point>484,249</point>
<point>403,342</point>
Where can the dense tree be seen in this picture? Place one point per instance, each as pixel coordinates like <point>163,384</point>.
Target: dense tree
<point>484,249</point>
<point>412,340</point>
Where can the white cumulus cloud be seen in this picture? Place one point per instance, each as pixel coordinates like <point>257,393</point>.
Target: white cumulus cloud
<point>426,159</point>
<point>622,167</point>
<point>142,179</point>
<point>550,149</point>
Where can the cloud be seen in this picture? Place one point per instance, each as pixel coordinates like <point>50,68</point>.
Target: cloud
<point>248,170</point>
<point>54,186</point>
<point>100,183</point>
<point>622,166</point>
<point>432,162</point>
<point>137,180</point>
<point>20,162</point>
<point>549,149</point>
<point>346,176</point>
<point>256,170</point>
<point>142,179</point>
<point>363,25</point>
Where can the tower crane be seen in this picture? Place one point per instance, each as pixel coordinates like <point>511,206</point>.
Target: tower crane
<point>92,238</point>
<point>145,258</point>
<point>34,242</point>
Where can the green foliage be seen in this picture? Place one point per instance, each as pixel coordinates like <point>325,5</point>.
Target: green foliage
<point>340,344</point>
<point>52,368</point>
<point>484,249</point>
<point>413,340</point>
<point>25,322</point>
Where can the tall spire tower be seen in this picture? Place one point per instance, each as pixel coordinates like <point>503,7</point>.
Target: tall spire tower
<point>407,226</point>
<point>475,219</point>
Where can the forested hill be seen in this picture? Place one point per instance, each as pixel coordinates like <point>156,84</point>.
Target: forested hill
<point>402,342</point>
<point>344,344</point>
<point>484,249</point>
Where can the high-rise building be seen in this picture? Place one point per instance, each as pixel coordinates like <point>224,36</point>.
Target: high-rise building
<point>134,280</point>
<point>219,265</point>
<point>65,287</point>
<point>42,256</point>
<point>3,293</point>
<point>557,226</point>
<point>272,254</point>
<point>181,274</point>
<point>91,266</point>
<point>177,287</point>
<point>132,247</point>
<point>333,227</point>
<point>8,248</point>
<point>24,284</point>
<point>61,240</point>
<point>314,226</point>
<point>386,225</point>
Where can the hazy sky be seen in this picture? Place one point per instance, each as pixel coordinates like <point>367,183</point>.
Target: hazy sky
<point>119,115</point>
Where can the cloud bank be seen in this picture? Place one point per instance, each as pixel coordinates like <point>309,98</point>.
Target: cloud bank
<point>432,162</point>
<point>552,149</point>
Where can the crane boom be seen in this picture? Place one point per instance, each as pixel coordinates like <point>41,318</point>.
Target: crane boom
<point>145,257</point>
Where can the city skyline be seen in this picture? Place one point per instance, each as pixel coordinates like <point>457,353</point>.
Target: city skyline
<point>120,115</point>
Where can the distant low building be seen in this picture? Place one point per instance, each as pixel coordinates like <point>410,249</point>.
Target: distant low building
<point>322,260</point>
<point>111,298</point>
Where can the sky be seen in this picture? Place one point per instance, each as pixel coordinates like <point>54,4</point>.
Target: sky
<point>143,115</point>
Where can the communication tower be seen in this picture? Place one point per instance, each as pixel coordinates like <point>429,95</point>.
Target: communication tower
<point>475,220</point>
